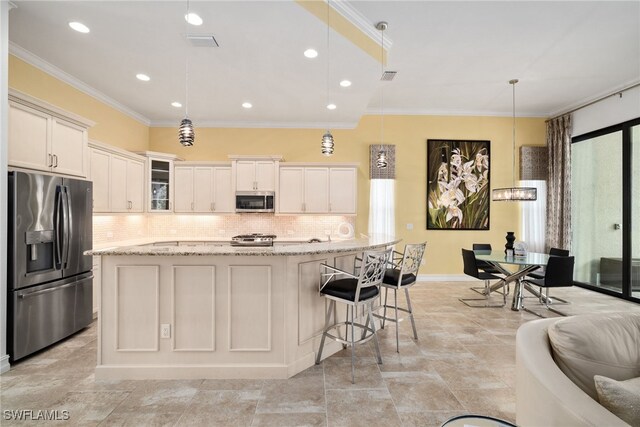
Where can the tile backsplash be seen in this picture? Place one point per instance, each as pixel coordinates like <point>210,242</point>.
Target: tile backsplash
<point>112,228</point>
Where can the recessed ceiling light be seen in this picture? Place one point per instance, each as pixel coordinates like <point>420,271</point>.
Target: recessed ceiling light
<point>345,83</point>
<point>310,53</point>
<point>331,106</point>
<point>193,19</point>
<point>143,77</point>
<point>247,105</point>
<point>79,27</point>
<point>176,104</point>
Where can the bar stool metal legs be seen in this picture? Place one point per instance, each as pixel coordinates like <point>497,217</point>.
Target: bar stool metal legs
<point>395,318</point>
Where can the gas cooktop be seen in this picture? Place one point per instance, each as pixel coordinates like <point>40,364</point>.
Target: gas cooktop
<point>254,239</point>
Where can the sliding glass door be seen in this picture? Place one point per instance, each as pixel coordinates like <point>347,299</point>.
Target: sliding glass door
<point>635,211</point>
<point>606,209</point>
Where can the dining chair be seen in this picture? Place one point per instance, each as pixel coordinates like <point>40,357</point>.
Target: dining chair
<point>402,274</point>
<point>355,291</point>
<point>539,274</point>
<point>558,273</point>
<point>485,266</point>
<point>471,269</point>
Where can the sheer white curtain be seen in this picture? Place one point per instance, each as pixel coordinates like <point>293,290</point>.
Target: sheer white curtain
<point>534,217</point>
<point>382,217</point>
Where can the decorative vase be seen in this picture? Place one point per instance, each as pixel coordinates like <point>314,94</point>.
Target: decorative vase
<point>510,239</point>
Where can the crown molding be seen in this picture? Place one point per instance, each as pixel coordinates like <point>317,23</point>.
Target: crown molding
<point>432,112</point>
<point>59,74</point>
<point>361,22</point>
<point>257,125</point>
<point>596,98</point>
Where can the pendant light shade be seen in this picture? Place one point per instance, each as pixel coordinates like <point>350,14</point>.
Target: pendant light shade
<point>327,143</point>
<point>381,160</point>
<point>186,134</point>
<point>514,194</point>
<point>327,138</point>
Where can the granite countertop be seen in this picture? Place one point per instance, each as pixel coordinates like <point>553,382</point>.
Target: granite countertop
<point>154,247</point>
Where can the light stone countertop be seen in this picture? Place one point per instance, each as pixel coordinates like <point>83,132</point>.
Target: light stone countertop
<point>281,247</point>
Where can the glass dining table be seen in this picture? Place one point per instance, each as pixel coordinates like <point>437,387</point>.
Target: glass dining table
<point>525,265</point>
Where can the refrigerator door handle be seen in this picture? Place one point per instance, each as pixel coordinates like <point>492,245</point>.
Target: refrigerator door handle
<point>57,223</point>
<point>46,291</point>
<point>67,227</point>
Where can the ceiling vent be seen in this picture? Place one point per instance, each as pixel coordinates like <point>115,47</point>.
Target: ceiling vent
<point>202,40</point>
<point>387,76</point>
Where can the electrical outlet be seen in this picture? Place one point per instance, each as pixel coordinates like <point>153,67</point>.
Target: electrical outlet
<point>221,232</point>
<point>409,226</point>
<point>109,233</point>
<point>173,231</point>
<point>165,330</point>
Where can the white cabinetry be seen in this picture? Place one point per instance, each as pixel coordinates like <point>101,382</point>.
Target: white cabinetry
<point>118,179</point>
<point>159,181</point>
<point>304,189</point>
<point>43,137</point>
<point>254,173</point>
<point>203,188</point>
<point>317,189</point>
<point>343,190</point>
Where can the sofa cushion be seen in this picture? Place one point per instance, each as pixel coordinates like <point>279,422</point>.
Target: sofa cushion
<point>622,398</point>
<point>598,344</point>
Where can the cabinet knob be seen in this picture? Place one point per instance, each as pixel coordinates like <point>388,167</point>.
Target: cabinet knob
<point>50,160</point>
<point>191,205</point>
<point>55,160</point>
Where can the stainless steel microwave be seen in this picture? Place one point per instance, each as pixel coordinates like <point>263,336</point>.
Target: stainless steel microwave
<point>255,201</point>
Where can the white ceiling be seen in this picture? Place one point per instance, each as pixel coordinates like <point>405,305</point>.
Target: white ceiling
<point>452,57</point>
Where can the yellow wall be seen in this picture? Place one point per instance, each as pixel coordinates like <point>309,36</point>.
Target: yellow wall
<point>408,133</point>
<point>112,126</point>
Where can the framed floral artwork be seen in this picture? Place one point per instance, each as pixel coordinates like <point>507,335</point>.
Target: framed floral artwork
<point>458,184</point>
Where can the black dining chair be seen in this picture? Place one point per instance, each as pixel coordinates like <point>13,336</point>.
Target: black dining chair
<point>558,273</point>
<point>471,269</point>
<point>539,273</point>
<point>485,266</point>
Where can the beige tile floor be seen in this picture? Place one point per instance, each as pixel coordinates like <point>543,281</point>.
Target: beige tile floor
<point>463,362</point>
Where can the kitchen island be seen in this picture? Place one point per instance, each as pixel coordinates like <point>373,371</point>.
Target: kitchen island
<point>169,311</point>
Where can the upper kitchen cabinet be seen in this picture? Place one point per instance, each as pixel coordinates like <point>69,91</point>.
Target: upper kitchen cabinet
<point>46,138</point>
<point>343,190</point>
<point>159,181</point>
<point>255,173</point>
<point>317,189</point>
<point>303,189</point>
<point>203,188</point>
<point>118,179</point>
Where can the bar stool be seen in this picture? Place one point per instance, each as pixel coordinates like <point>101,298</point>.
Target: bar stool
<point>402,275</point>
<point>354,291</point>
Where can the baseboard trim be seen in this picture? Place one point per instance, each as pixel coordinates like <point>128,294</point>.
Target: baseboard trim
<point>444,278</point>
<point>4,364</point>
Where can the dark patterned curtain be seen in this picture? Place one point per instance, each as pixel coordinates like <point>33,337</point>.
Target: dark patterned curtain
<point>558,233</point>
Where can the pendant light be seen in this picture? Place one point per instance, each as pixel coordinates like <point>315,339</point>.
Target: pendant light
<point>327,138</point>
<point>381,159</point>
<point>514,193</point>
<point>186,133</point>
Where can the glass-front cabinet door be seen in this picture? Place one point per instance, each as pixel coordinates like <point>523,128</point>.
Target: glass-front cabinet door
<point>160,185</point>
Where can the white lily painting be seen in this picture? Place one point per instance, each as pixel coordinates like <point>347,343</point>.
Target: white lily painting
<point>457,185</point>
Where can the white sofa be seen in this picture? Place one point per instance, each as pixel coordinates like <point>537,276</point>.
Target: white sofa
<point>545,396</point>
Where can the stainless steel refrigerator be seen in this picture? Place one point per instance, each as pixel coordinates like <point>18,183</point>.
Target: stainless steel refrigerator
<point>49,279</point>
